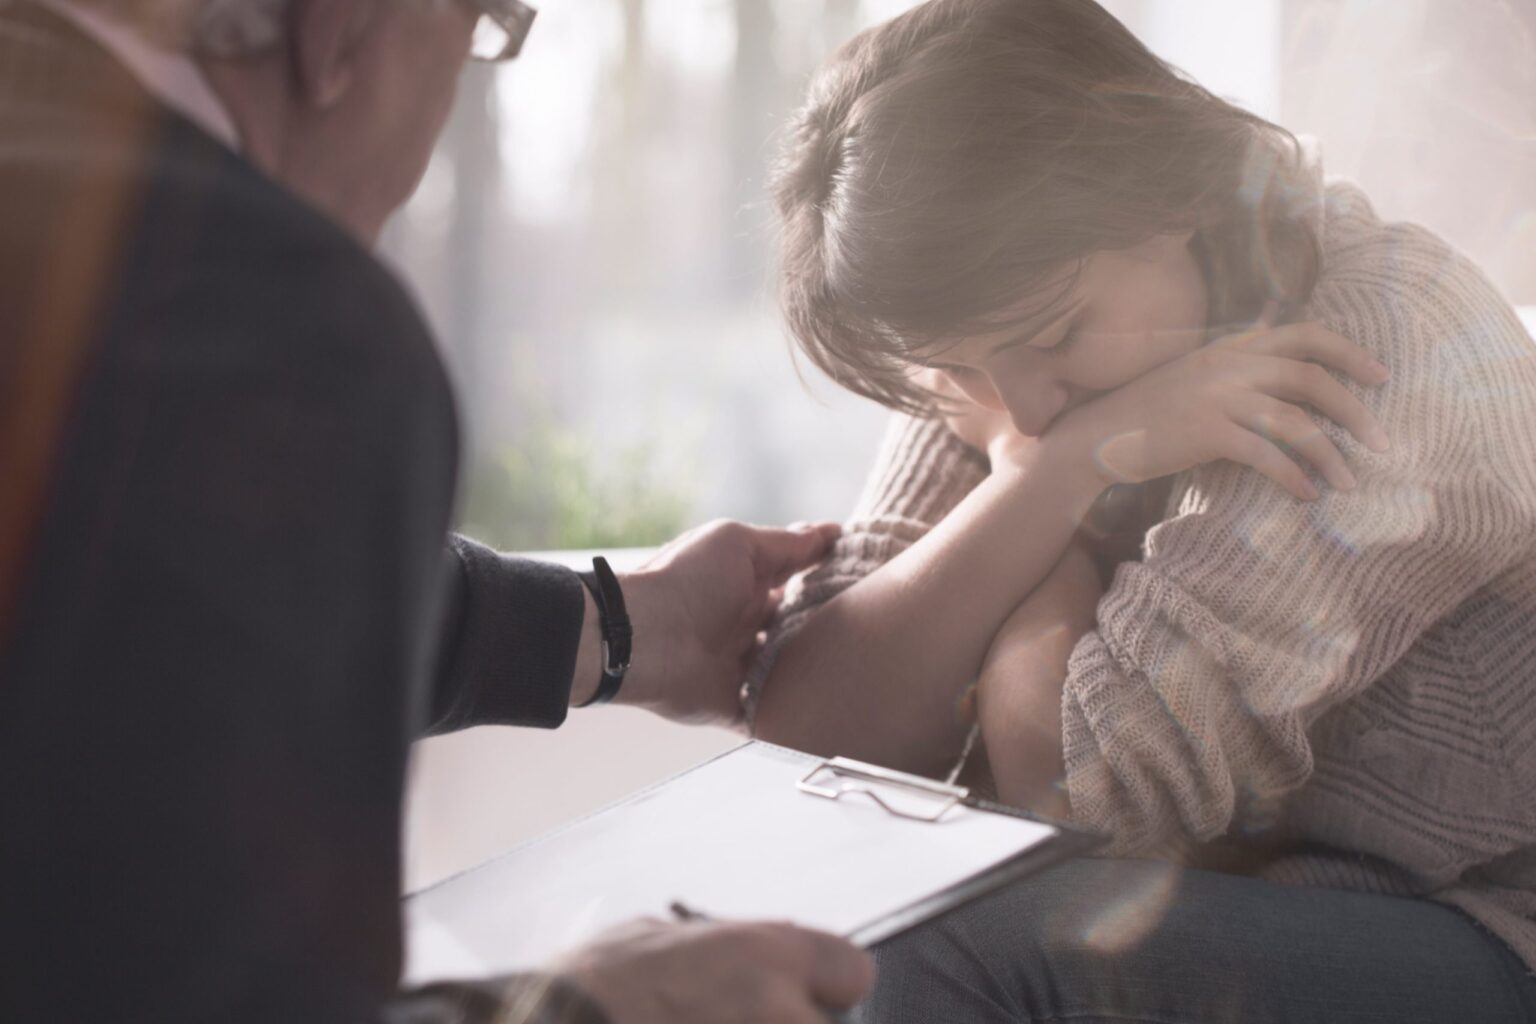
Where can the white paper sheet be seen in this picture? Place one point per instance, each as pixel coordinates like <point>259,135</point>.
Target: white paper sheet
<point>733,838</point>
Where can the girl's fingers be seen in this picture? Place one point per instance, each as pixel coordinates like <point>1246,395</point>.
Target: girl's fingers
<point>1288,425</point>
<point>1310,384</point>
<point>1249,449</point>
<point>1312,341</point>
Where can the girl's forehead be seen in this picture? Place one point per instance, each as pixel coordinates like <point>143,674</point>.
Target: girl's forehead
<point>1039,309</point>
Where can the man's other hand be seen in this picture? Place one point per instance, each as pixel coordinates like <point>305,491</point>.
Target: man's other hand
<point>699,608</point>
<point>705,973</point>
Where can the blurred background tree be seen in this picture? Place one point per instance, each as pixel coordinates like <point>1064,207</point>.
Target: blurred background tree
<point>552,490</point>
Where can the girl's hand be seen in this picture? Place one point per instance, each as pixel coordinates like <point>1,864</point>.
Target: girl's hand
<point>1239,398</point>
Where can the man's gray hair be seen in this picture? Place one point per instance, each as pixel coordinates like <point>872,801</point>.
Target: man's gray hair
<point>226,28</point>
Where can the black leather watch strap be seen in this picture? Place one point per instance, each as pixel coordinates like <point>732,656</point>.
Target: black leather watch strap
<point>617,633</point>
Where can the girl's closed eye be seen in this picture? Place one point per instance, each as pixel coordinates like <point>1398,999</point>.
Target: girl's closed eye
<point>1065,344</point>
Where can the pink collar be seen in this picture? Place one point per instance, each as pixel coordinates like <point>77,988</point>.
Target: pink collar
<point>173,78</point>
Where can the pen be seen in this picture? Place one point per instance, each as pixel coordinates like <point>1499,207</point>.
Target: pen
<point>683,913</point>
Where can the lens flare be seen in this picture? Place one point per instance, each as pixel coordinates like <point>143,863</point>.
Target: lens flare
<point>1116,455</point>
<point>1389,513</point>
<point>1143,900</point>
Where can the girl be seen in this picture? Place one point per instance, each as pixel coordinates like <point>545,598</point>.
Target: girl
<point>1009,221</point>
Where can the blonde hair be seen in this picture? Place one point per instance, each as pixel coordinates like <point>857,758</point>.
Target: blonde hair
<point>949,162</point>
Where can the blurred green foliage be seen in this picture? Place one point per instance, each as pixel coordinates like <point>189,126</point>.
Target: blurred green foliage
<point>551,490</point>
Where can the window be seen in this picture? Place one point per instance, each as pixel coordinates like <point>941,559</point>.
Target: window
<point>592,244</point>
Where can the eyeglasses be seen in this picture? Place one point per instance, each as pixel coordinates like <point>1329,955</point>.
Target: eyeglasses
<point>501,30</point>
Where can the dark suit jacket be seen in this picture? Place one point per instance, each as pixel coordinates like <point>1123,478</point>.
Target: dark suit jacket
<point>227,466</point>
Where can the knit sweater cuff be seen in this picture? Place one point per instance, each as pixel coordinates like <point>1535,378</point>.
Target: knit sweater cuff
<point>1130,772</point>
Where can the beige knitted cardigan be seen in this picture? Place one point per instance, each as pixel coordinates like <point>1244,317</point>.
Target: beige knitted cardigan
<point>1355,677</point>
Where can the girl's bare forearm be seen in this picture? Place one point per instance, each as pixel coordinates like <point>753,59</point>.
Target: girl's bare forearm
<point>1022,679</point>
<point>877,672</point>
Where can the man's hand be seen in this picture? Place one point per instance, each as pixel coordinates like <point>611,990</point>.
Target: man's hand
<point>698,608</point>
<point>654,973</point>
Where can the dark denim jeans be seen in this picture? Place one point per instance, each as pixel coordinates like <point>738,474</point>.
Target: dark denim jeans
<point>1141,942</point>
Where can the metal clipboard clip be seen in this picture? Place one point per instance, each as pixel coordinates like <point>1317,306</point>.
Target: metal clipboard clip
<point>837,777</point>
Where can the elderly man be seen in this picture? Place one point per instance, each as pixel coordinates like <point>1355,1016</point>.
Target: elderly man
<point>228,457</point>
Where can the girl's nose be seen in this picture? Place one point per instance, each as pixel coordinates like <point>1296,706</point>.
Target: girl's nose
<point>1032,405</point>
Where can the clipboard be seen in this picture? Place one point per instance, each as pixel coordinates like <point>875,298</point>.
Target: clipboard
<point>758,832</point>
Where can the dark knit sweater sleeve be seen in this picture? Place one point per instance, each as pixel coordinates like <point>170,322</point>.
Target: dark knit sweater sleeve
<point>510,640</point>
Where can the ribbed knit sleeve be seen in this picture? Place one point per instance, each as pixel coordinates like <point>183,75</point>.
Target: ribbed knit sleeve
<point>921,473</point>
<point>1190,709</point>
